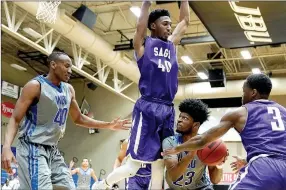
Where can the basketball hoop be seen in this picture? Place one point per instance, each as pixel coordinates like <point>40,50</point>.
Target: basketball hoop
<point>47,11</point>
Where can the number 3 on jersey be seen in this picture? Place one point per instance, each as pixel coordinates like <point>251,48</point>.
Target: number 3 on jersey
<point>185,180</point>
<point>61,116</point>
<point>278,119</point>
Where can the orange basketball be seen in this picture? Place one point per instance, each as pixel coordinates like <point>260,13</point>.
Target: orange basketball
<point>213,154</point>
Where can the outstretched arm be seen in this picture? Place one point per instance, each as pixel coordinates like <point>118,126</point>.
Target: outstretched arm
<point>183,24</point>
<point>84,121</point>
<point>141,29</point>
<point>228,121</point>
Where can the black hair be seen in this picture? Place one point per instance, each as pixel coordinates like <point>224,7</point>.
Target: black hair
<point>196,109</point>
<point>260,82</point>
<point>154,15</point>
<point>54,56</point>
<point>85,159</point>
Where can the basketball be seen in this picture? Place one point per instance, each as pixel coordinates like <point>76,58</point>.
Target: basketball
<point>213,154</point>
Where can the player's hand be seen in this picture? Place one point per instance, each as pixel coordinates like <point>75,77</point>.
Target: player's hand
<point>170,151</point>
<point>118,124</point>
<point>71,164</point>
<point>8,157</point>
<point>238,164</point>
<point>226,157</point>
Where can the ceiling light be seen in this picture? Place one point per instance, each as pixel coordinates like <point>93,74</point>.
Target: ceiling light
<point>32,33</point>
<point>20,68</point>
<point>256,71</point>
<point>187,59</point>
<point>245,54</point>
<point>135,10</point>
<point>202,75</point>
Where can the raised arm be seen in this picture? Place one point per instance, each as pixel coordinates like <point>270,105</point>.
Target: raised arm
<point>73,171</point>
<point>181,28</point>
<point>121,155</point>
<point>229,120</point>
<point>84,121</point>
<point>141,29</point>
<point>30,92</point>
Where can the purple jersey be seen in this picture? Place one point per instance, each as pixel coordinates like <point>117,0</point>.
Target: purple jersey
<point>159,70</point>
<point>264,131</point>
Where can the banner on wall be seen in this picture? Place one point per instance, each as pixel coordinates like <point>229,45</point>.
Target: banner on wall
<point>228,178</point>
<point>241,24</point>
<point>10,90</point>
<point>7,109</point>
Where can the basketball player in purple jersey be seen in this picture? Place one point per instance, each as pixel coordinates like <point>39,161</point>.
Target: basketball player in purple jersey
<point>153,114</point>
<point>261,124</point>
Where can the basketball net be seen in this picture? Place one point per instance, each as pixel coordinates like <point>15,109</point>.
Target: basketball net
<point>47,11</point>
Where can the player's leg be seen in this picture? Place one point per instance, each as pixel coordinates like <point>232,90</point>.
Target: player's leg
<point>141,146</point>
<point>144,142</point>
<point>157,174</point>
<point>33,170</point>
<point>129,169</point>
<point>259,174</point>
<point>61,176</point>
<point>168,116</point>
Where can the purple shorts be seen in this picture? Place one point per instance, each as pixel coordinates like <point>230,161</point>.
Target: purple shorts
<point>263,173</point>
<point>152,122</point>
<point>138,182</point>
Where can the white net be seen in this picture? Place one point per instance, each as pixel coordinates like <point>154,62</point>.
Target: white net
<point>47,11</point>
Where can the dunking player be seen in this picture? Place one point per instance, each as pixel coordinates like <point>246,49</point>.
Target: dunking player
<point>153,114</point>
<point>84,174</point>
<point>45,102</point>
<point>142,179</point>
<point>261,124</point>
<point>185,170</point>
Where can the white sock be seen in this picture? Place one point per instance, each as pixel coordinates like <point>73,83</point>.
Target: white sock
<point>157,174</point>
<point>129,169</point>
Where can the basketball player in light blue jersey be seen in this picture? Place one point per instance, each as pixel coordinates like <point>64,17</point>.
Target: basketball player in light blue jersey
<point>261,124</point>
<point>84,174</point>
<point>185,170</point>
<point>44,104</point>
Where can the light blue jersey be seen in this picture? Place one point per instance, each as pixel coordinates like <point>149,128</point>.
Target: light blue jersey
<point>84,177</point>
<point>45,121</point>
<point>195,176</point>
